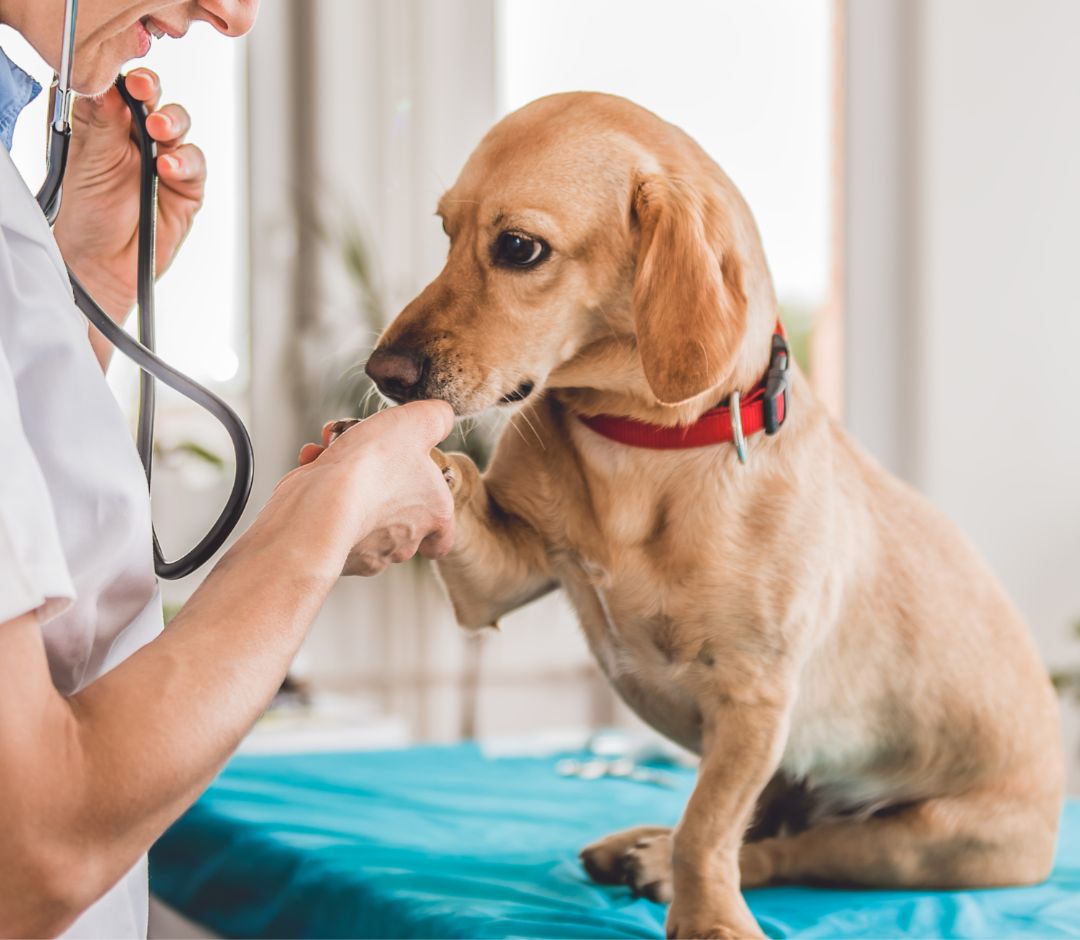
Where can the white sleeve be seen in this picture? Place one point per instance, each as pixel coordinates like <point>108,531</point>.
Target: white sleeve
<point>33,572</point>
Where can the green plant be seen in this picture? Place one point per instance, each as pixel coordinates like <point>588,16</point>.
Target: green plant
<point>798,320</point>
<point>191,449</point>
<point>1068,681</point>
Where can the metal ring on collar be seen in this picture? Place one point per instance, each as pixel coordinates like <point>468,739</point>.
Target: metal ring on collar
<point>737,437</point>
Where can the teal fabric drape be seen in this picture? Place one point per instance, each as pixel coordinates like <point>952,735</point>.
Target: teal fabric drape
<point>445,842</point>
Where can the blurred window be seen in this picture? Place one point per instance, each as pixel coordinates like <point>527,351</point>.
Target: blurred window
<point>751,82</point>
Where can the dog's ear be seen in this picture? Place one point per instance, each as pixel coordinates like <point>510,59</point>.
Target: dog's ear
<point>689,304</point>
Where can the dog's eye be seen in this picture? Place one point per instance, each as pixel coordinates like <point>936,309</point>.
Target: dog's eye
<point>519,251</point>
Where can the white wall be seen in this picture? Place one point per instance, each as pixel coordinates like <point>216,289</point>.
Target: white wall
<point>964,139</point>
<point>751,82</point>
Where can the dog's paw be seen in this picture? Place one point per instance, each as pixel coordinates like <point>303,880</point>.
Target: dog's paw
<point>443,463</point>
<point>685,924</point>
<point>604,863</point>
<point>647,868</point>
<point>336,428</point>
<point>607,860</point>
<point>709,932</point>
<point>710,910</point>
<point>460,473</point>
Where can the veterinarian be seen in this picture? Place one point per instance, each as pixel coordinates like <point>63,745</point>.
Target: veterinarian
<point>109,728</point>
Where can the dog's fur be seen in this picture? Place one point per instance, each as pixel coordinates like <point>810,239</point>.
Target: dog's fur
<point>833,648</point>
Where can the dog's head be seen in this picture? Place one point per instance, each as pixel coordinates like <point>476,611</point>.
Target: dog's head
<point>592,246</point>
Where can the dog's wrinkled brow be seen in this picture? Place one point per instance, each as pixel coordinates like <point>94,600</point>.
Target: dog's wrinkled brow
<point>444,209</point>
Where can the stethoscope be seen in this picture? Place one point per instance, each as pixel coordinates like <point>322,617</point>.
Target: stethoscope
<point>141,351</point>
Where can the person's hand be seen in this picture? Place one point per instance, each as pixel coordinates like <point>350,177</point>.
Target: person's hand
<point>99,215</point>
<point>406,502</point>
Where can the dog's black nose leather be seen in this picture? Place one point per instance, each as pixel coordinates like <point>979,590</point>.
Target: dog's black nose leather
<point>397,374</point>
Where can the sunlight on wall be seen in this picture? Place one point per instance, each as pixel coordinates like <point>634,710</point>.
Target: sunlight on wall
<point>749,81</point>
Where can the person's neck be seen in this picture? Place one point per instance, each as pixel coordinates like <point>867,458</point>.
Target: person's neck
<point>7,17</point>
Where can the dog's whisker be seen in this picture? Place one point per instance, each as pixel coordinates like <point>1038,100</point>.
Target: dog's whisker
<point>535,433</point>
<point>365,402</point>
<point>465,428</point>
<point>518,430</point>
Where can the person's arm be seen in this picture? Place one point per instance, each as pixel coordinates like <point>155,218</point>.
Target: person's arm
<point>87,783</point>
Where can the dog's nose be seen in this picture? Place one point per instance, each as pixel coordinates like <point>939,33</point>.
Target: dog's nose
<point>396,373</point>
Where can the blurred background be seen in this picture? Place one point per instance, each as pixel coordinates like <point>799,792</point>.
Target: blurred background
<point>913,169</point>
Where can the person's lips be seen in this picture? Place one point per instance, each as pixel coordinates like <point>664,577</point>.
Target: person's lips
<point>161,30</point>
<point>148,29</point>
<point>144,38</point>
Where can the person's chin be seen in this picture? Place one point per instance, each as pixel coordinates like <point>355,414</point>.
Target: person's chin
<point>95,75</point>
<point>97,80</point>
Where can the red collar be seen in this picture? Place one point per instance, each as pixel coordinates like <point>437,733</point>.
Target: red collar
<point>764,408</point>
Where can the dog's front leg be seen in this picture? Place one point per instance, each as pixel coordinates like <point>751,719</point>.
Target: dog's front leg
<point>742,742</point>
<point>498,561</point>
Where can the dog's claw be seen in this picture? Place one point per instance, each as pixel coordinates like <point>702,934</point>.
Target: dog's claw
<point>340,427</point>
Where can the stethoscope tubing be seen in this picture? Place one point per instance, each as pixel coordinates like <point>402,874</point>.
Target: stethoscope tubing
<point>141,350</point>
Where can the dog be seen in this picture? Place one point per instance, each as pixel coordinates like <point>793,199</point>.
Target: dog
<point>867,703</point>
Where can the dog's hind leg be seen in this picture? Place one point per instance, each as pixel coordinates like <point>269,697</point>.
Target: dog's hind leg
<point>641,857</point>
<point>951,842</point>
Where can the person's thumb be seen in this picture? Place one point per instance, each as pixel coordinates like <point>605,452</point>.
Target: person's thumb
<point>433,420</point>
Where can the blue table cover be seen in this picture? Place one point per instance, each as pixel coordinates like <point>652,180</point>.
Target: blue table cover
<point>446,842</point>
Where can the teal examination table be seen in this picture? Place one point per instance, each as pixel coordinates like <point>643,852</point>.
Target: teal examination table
<point>449,842</point>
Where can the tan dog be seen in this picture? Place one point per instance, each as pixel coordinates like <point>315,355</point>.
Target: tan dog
<point>829,643</point>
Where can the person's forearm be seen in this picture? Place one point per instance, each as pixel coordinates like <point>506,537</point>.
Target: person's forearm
<point>153,732</point>
<point>87,783</point>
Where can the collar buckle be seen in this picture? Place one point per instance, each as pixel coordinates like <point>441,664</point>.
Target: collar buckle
<point>776,385</point>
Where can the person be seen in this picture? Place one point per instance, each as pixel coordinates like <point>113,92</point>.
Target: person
<point>109,727</point>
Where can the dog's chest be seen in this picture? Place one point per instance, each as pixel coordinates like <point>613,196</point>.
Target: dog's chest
<point>634,652</point>
<point>651,586</point>
<point>654,638</point>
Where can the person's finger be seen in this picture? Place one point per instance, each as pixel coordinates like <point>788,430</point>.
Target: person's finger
<point>145,86</point>
<point>168,126</point>
<point>309,453</point>
<point>366,566</point>
<point>404,552</point>
<point>434,420</point>
<point>183,170</point>
<point>439,542</point>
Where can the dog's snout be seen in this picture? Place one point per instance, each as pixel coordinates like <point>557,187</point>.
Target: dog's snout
<point>398,374</point>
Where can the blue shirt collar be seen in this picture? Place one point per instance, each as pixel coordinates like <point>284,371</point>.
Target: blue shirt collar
<point>17,90</point>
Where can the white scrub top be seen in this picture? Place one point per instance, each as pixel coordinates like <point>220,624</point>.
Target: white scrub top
<point>75,537</point>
